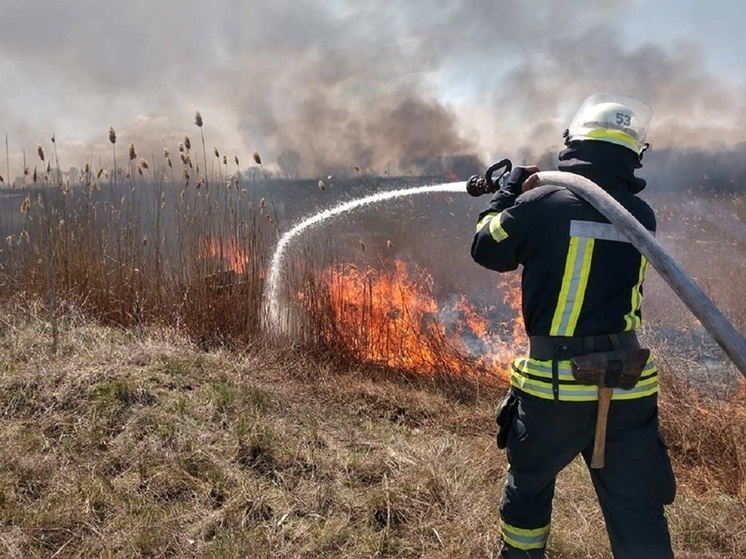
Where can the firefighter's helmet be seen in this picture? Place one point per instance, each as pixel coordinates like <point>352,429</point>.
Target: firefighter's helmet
<point>608,117</point>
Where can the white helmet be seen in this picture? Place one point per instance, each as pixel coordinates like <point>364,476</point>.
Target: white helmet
<point>617,119</point>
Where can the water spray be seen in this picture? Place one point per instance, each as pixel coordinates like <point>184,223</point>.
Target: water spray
<point>272,301</point>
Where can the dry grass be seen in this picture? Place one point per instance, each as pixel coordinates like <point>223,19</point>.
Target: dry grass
<point>139,444</point>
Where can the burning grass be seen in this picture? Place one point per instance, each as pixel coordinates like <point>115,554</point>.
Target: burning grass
<point>389,316</point>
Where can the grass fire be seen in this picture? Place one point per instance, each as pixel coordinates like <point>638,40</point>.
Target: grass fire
<point>390,316</point>
<point>148,412</point>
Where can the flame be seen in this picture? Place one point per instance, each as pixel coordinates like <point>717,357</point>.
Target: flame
<point>228,254</point>
<point>392,317</point>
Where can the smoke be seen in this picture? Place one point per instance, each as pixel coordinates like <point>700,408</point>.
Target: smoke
<point>379,86</point>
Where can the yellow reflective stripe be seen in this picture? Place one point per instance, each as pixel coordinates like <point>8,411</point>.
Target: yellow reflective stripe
<point>524,539</point>
<point>574,283</point>
<point>632,320</point>
<point>494,222</point>
<point>645,387</point>
<point>484,220</point>
<point>496,229</point>
<point>610,134</point>
<point>543,390</point>
<point>542,368</point>
<point>535,377</point>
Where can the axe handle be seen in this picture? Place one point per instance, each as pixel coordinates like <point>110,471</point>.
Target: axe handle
<point>599,441</point>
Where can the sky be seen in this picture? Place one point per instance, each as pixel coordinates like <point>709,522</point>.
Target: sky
<point>375,85</point>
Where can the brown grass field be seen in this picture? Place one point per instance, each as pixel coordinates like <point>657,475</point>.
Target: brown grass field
<point>146,411</point>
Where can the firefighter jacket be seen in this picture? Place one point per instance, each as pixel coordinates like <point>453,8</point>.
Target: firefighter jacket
<point>581,276</point>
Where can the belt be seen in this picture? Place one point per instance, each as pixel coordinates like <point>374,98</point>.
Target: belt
<point>545,348</point>
<point>560,348</point>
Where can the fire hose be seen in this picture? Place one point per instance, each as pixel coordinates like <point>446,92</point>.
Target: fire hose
<point>729,339</point>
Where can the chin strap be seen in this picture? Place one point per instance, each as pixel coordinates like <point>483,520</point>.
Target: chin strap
<point>645,148</point>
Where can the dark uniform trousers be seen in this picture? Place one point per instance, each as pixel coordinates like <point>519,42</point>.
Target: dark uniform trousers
<point>637,480</point>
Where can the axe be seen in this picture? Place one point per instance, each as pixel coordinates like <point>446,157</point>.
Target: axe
<point>599,441</point>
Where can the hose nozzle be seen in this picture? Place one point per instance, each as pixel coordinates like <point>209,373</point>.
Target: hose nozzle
<point>477,186</point>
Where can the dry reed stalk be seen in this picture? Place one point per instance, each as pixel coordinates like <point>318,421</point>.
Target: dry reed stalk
<point>198,121</point>
<point>167,155</point>
<point>113,141</point>
<point>238,171</point>
<point>54,146</point>
<point>85,178</point>
<point>258,160</point>
<point>217,155</point>
<point>7,159</point>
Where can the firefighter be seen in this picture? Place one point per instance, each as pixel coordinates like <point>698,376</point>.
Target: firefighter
<point>581,294</point>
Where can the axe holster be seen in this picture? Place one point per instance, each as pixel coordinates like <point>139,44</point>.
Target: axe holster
<point>619,368</point>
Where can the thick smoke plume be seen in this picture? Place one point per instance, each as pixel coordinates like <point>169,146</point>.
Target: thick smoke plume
<point>377,86</point>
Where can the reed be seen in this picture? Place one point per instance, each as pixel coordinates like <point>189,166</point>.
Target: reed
<point>113,142</point>
<point>198,121</point>
<point>160,254</point>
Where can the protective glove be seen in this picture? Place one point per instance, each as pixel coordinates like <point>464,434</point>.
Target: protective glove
<point>517,177</point>
<point>505,197</point>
